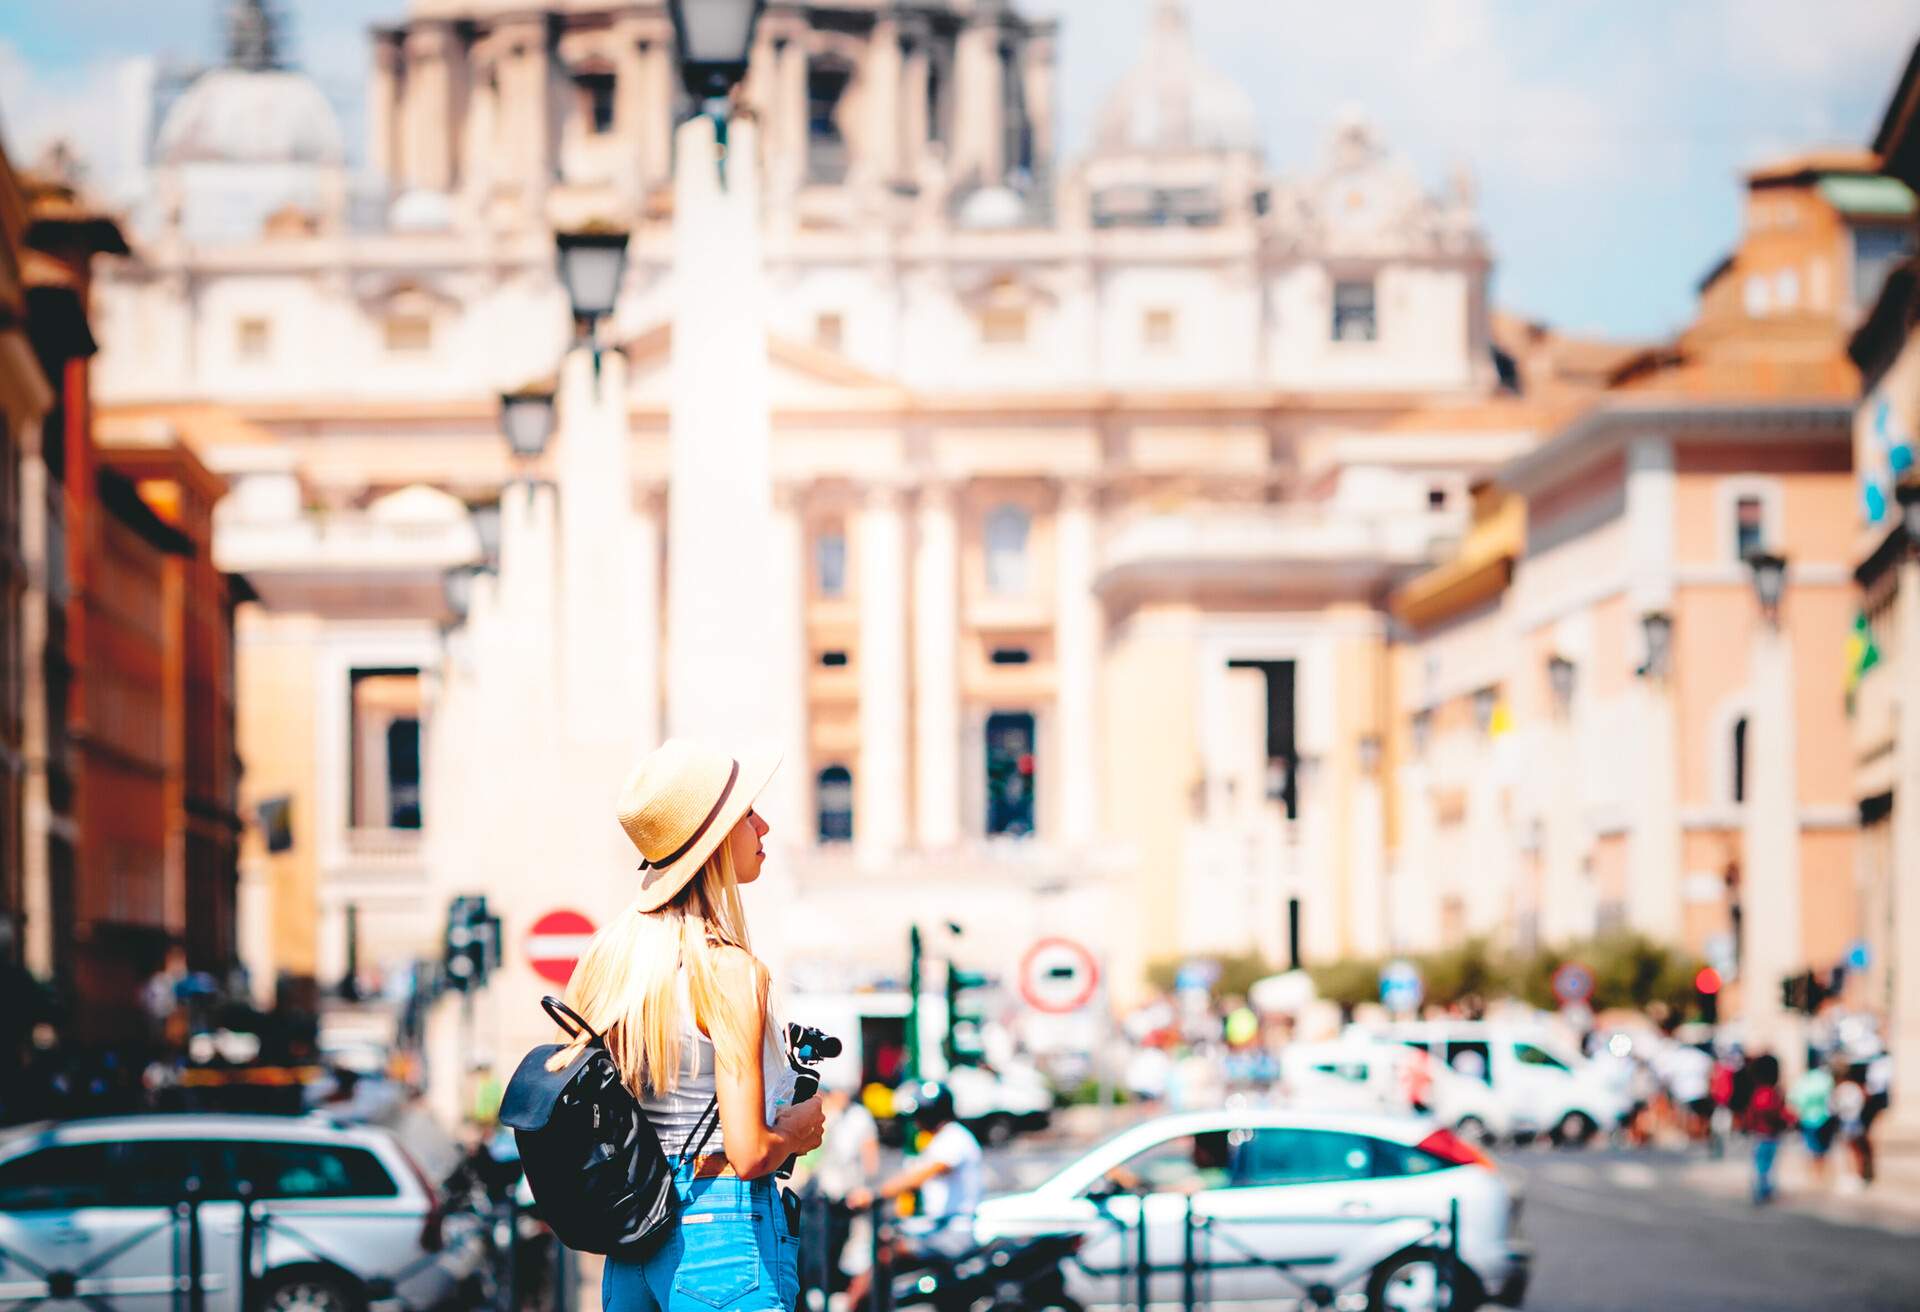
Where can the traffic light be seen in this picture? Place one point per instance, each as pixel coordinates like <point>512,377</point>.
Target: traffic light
<point>1803,992</point>
<point>472,949</point>
<point>962,1045</point>
<point>1706,992</point>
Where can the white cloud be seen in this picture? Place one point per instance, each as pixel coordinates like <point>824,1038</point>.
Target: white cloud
<point>95,113</point>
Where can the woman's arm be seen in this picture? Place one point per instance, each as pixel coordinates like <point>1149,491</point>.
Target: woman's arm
<point>753,1148</point>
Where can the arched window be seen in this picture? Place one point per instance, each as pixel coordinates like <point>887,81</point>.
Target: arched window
<point>1007,550</point>
<point>1010,774</point>
<point>834,799</point>
<point>1740,759</point>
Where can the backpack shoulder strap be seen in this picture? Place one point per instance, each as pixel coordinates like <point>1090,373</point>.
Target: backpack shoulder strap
<point>690,1149</point>
<point>569,1020</point>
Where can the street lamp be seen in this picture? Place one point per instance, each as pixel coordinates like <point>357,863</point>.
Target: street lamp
<point>1769,582</point>
<point>1656,630</point>
<point>1560,676</point>
<point>486,527</point>
<point>714,39</point>
<point>526,419</point>
<point>592,264</point>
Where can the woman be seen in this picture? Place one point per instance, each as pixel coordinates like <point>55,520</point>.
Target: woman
<point>1768,1117</point>
<point>673,985</point>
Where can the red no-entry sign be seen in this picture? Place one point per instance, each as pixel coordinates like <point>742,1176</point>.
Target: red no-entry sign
<point>1058,976</point>
<point>555,942</point>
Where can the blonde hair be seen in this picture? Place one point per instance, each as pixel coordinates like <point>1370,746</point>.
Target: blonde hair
<point>625,984</point>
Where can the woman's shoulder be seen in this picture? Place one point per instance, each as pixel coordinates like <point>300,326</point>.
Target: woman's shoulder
<point>737,968</point>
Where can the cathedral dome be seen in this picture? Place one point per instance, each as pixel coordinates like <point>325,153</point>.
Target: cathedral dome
<point>251,116</point>
<point>1171,102</point>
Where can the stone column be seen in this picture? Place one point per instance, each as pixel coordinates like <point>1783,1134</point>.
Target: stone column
<point>1770,942</point>
<point>879,159</point>
<point>1366,854</point>
<point>430,108</point>
<point>936,651</point>
<point>1040,73</point>
<point>789,160</point>
<point>880,799</point>
<point>596,509</point>
<point>1076,640</point>
<point>659,94</point>
<point>1903,1021</point>
<point>980,108</point>
<point>914,127</point>
<point>1654,842</point>
<point>383,108</point>
<point>526,108</point>
<point>789,809</point>
<point>720,596</point>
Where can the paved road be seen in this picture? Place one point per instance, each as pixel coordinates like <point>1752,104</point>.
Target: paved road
<point>1616,1230</point>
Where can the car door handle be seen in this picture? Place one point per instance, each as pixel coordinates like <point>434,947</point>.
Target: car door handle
<point>66,1233</point>
<point>1354,1207</point>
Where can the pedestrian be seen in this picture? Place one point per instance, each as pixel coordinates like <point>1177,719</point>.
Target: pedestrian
<point>950,1177</point>
<point>1849,1103</point>
<point>675,989</point>
<point>1878,1085</point>
<point>1812,1100</point>
<point>1767,1118</point>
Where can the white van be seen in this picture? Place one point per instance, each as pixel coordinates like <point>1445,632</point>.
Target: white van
<point>1361,1070</point>
<point>1540,1087</point>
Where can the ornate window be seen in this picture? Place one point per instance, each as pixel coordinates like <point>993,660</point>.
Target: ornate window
<point>1006,543</point>
<point>1010,775</point>
<point>1353,311</point>
<point>834,799</point>
<point>596,88</point>
<point>252,338</point>
<point>830,564</point>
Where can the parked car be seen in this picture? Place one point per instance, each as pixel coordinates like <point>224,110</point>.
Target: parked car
<point>1358,1073</point>
<point>996,1103</point>
<point>344,1217</point>
<point>1540,1087</point>
<point>1349,1204</point>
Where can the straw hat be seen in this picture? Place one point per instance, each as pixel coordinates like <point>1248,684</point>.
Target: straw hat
<point>681,802</point>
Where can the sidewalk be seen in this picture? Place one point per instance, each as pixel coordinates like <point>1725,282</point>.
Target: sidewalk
<point>1892,1201</point>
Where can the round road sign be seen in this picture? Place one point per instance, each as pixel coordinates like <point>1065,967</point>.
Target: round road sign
<point>555,942</point>
<point>1572,983</point>
<point>1058,976</point>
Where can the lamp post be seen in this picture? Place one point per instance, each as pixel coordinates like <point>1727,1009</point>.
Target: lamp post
<point>1560,678</point>
<point>1770,931</point>
<point>714,40</point>
<point>592,264</point>
<point>1656,632</point>
<point>526,421</point>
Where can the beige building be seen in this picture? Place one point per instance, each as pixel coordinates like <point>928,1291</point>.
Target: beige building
<point>1091,477</point>
<point>1604,726</point>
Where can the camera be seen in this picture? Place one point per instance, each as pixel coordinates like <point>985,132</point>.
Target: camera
<point>806,1049</point>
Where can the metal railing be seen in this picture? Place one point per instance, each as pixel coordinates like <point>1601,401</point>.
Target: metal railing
<point>1210,1245</point>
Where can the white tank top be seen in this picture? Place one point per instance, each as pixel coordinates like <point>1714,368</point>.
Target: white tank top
<point>675,1115</point>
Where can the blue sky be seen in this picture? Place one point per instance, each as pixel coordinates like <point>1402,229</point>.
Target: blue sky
<point>1606,139</point>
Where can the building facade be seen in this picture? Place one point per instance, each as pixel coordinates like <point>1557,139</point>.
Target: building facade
<point>1091,477</point>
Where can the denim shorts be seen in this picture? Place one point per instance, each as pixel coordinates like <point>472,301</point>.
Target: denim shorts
<point>731,1251</point>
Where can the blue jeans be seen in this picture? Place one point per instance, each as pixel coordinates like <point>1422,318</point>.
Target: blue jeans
<point>731,1251</point>
<point>1764,1151</point>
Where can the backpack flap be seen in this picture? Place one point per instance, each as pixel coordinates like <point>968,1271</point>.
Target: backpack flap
<point>534,1091</point>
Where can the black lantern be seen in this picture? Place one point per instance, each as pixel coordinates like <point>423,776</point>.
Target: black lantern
<point>1769,582</point>
<point>592,265</point>
<point>486,526</point>
<point>1656,631</point>
<point>526,418</point>
<point>714,39</point>
<point>1560,676</point>
<point>1908,495</point>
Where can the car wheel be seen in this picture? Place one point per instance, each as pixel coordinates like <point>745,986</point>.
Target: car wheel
<point>1575,1130</point>
<point>1413,1282</point>
<point>997,1129</point>
<point>307,1291</point>
<point>1474,1131</point>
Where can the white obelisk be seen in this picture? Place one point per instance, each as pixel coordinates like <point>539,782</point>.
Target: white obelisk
<point>721,620</point>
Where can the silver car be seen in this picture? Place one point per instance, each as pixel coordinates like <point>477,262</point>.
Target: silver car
<point>1278,1209</point>
<point>342,1217</point>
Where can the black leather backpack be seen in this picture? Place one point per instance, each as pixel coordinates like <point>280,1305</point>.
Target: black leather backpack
<point>599,1177</point>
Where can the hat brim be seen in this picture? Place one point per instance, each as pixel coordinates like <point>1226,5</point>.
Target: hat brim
<point>661,884</point>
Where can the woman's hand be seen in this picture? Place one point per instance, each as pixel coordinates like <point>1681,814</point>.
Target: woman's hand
<point>802,1125</point>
